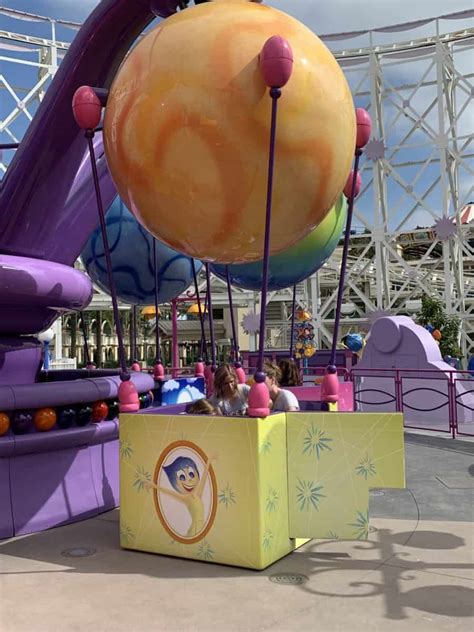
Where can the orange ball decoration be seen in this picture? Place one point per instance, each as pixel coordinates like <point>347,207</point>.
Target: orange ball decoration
<point>44,419</point>
<point>100,410</point>
<point>4,424</point>
<point>437,334</point>
<point>187,131</point>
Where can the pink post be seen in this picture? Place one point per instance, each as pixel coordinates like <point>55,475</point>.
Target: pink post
<point>175,348</point>
<point>136,367</point>
<point>276,62</point>
<point>128,397</point>
<point>199,369</point>
<point>159,372</point>
<point>241,374</point>
<point>210,383</point>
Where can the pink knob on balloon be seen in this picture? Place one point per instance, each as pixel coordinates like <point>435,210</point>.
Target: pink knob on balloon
<point>159,372</point>
<point>259,399</point>
<point>348,186</point>
<point>276,62</point>
<point>128,397</point>
<point>241,375</point>
<point>86,107</point>
<point>364,127</point>
<point>136,367</point>
<point>199,369</point>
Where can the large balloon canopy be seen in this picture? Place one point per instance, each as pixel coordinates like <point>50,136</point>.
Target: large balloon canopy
<point>187,132</point>
<point>295,264</point>
<point>131,250</point>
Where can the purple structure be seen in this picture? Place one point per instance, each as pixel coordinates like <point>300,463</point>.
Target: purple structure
<point>47,212</point>
<point>398,348</point>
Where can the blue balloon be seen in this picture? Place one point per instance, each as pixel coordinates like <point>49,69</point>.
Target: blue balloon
<point>354,342</point>
<point>131,251</point>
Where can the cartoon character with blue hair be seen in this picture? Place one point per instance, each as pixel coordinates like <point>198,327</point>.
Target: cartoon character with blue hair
<point>188,487</point>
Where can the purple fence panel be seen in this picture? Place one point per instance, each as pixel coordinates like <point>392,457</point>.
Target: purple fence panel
<point>426,401</point>
<point>463,402</point>
<point>375,391</point>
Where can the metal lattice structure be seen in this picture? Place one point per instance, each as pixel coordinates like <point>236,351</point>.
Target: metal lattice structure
<point>411,235</point>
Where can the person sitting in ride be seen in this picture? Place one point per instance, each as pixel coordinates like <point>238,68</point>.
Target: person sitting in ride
<point>281,399</point>
<point>290,374</point>
<point>229,396</point>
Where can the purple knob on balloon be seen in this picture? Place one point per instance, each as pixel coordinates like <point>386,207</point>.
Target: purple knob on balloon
<point>348,185</point>
<point>364,127</point>
<point>86,107</point>
<point>276,62</point>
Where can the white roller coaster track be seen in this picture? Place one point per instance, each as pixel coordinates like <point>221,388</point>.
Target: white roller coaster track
<point>418,170</point>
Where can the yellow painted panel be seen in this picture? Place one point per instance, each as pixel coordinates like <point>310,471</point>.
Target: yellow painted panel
<point>333,461</point>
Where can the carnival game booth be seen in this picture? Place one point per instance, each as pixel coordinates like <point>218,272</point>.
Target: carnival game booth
<point>245,491</point>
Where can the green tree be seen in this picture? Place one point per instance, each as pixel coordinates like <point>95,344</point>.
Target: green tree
<point>432,313</point>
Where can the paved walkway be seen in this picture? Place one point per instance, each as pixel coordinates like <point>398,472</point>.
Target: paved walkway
<point>415,573</point>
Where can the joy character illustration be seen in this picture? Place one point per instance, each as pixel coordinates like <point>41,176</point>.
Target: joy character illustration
<point>188,487</point>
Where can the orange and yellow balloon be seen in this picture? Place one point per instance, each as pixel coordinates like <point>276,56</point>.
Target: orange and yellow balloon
<point>187,132</point>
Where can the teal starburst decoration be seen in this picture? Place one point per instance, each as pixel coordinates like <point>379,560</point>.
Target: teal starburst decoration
<point>205,551</point>
<point>308,495</point>
<point>316,441</point>
<point>366,467</point>
<point>267,540</point>
<point>126,449</point>
<point>361,525</point>
<point>272,499</point>
<point>332,535</point>
<point>141,478</point>
<point>266,446</point>
<point>227,496</point>
<point>126,534</point>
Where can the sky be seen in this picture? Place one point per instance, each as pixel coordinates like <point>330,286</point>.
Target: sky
<point>322,16</point>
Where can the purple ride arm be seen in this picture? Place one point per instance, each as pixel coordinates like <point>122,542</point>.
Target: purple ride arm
<point>47,202</point>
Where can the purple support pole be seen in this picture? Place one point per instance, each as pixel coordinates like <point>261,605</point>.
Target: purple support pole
<point>175,347</point>
<point>133,345</point>
<point>128,396</point>
<point>87,356</point>
<point>158,370</point>
<point>345,251</point>
<point>292,333</point>
<point>201,315</point>
<point>275,94</point>
<point>237,363</point>
<point>232,318</point>
<point>259,397</point>
<point>211,319</point>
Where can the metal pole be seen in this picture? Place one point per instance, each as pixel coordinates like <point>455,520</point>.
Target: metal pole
<point>201,315</point>
<point>275,94</point>
<point>125,375</point>
<point>292,332</point>
<point>157,317</point>
<point>175,346</point>
<point>232,317</point>
<point>211,318</point>
<point>345,252</point>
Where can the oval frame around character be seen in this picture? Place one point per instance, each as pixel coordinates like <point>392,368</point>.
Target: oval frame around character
<point>295,264</point>
<point>131,252</point>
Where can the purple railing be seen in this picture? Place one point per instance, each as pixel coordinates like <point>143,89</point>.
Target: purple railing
<point>430,400</point>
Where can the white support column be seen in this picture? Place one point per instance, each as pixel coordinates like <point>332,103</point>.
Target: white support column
<point>58,339</point>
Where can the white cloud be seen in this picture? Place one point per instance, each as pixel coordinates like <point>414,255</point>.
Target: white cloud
<point>171,385</point>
